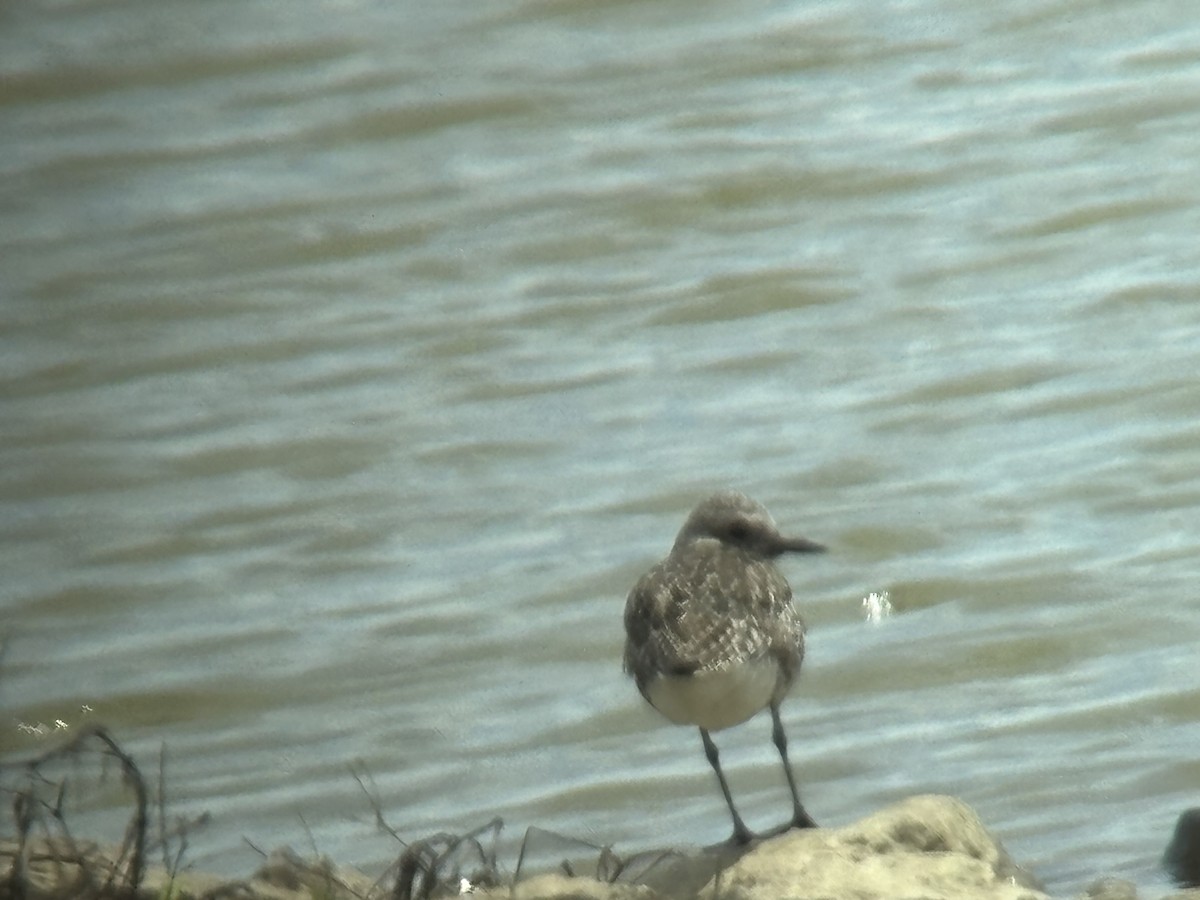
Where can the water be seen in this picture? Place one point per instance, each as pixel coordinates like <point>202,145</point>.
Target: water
<point>357,357</point>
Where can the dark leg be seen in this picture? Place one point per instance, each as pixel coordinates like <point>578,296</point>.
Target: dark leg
<point>800,818</point>
<point>741,834</point>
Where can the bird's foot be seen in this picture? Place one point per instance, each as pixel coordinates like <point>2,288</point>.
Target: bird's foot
<point>802,819</point>
<point>741,835</point>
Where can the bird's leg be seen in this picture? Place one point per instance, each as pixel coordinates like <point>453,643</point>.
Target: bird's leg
<point>741,834</point>
<point>800,818</point>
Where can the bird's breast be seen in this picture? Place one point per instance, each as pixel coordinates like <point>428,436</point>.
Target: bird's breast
<point>716,698</point>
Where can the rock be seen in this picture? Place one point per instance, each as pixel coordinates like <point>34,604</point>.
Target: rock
<point>55,869</point>
<point>926,847</point>
<point>1110,888</point>
<point>560,887</point>
<point>1182,857</point>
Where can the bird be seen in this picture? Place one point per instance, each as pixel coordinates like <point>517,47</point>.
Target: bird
<point>712,636</point>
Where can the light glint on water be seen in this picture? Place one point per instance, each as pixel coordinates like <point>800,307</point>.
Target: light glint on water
<point>876,607</point>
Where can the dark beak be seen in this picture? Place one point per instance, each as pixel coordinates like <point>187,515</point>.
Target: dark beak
<point>799,545</point>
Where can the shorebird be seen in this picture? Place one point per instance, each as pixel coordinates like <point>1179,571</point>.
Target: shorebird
<point>711,634</point>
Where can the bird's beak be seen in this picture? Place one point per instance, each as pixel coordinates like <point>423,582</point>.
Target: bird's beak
<point>800,545</point>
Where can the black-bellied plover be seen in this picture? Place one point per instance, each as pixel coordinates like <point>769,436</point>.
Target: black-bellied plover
<point>711,633</point>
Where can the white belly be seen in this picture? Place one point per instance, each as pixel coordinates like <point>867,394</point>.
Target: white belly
<point>716,699</point>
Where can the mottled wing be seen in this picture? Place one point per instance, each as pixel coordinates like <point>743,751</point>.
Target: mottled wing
<point>709,607</point>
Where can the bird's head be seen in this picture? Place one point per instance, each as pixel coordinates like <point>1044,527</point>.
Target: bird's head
<point>738,521</point>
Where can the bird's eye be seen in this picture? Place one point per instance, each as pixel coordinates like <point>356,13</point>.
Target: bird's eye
<point>739,531</point>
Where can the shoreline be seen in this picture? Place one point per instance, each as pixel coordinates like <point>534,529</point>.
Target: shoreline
<point>925,847</point>
<point>930,847</point>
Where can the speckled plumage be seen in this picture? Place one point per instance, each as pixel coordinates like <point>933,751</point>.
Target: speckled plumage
<point>710,605</point>
<point>712,634</point>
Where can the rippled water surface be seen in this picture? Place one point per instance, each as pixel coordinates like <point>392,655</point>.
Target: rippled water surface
<point>358,356</point>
